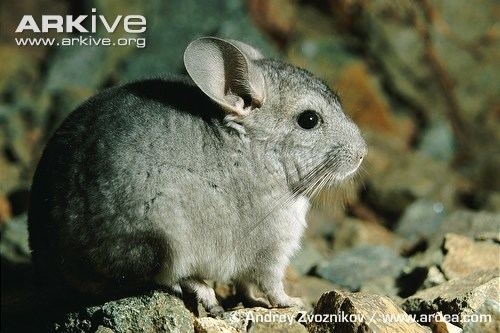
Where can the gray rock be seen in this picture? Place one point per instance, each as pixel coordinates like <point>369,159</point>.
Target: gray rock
<point>155,312</point>
<point>434,277</point>
<point>14,241</point>
<point>169,33</point>
<point>399,177</point>
<point>438,142</point>
<point>467,223</point>
<point>360,312</point>
<point>458,297</point>
<point>488,318</point>
<point>353,268</point>
<point>421,219</point>
<point>306,259</point>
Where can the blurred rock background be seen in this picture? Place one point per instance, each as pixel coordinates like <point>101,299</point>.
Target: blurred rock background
<point>421,225</point>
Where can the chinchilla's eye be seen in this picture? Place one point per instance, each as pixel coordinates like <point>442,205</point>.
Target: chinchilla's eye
<point>308,119</point>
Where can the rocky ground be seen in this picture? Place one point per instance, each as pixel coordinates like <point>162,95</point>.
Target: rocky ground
<point>412,246</point>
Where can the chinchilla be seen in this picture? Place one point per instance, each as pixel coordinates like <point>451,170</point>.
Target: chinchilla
<point>174,181</point>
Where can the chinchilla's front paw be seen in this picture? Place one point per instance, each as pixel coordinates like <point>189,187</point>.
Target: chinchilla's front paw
<point>252,302</point>
<point>215,311</point>
<point>291,302</point>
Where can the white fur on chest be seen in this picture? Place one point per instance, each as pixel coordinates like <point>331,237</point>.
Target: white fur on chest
<point>291,224</point>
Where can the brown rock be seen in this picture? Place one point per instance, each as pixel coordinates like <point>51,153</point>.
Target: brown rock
<point>212,325</point>
<point>353,232</point>
<point>398,177</point>
<point>360,312</point>
<point>458,297</point>
<point>5,209</point>
<point>440,325</point>
<point>309,288</point>
<point>277,17</point>
<point>463,256</point>
<point>488,316</point>
<point>264,320</point>
<point>365,102</point>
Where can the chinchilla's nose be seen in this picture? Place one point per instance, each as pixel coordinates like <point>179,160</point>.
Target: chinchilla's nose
<point>362,150</point>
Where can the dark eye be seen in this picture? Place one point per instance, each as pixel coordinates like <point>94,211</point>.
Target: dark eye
<point>308,119</point>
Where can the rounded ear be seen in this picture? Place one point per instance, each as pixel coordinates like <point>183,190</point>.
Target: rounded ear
<point>250,52</point>
<point>226,74</point>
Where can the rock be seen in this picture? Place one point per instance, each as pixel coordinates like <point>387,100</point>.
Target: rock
<point>103,329</point>
<point>400,47</point>
<point>467,223</point>
<point>385,286</point>
<point>5,209</point>
<point>309,288</point>
<point>169,33</point>
<point>493,202</point>
<point>438,142</point>
<point>354,232</point>
<point>463,256</point>
<point>321,222</point>
<point>434,277</point>
<point>488,318</point>
<point>421,219</point>
<point>264,320</point>
<point>458,297</point>
<point>316,48</point>
<point>212,325</point>
<point>353,268</point>
<point>154,312</point>
<point>306,259</point>
<point>276,17</point>
<point>398,177</point>
<point>14,242</point>
<point>440,325</point>
<point>360,312</point>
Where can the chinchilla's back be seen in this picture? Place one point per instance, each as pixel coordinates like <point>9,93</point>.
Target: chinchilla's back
<point>101,163</point>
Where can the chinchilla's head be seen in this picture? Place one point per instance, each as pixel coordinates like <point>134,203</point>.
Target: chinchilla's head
<point>294,114</point>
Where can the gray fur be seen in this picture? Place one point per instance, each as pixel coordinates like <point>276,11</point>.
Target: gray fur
<point>154,182</point>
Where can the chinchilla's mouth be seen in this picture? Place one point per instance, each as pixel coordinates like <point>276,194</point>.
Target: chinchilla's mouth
<point>350,173</point>
<point>328,173</point>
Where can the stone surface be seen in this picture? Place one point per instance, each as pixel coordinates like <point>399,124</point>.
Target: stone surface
<point>354,232</point>
<point>14,241</point>
<point>467,223</point>
<point>309,288</point>
<point>212,325</point>
<point>488,318</point>
<point>456,297</point>
<point>264,320</point>
<point>5,209</point>
<point>434,277</point>
<point>154,312</point>
<point>439,324</point>
<point>354,267</point>
<point>421,219</point>
<point>306,259</point>
<point>369,313</point>
<point>463,256</point>
<point>396,182</point>
<point>438,142</point>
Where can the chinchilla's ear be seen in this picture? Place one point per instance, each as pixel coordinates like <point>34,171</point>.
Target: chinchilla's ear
<point>224,71</point>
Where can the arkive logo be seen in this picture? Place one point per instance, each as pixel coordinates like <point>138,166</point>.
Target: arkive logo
<point>133,24</point>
